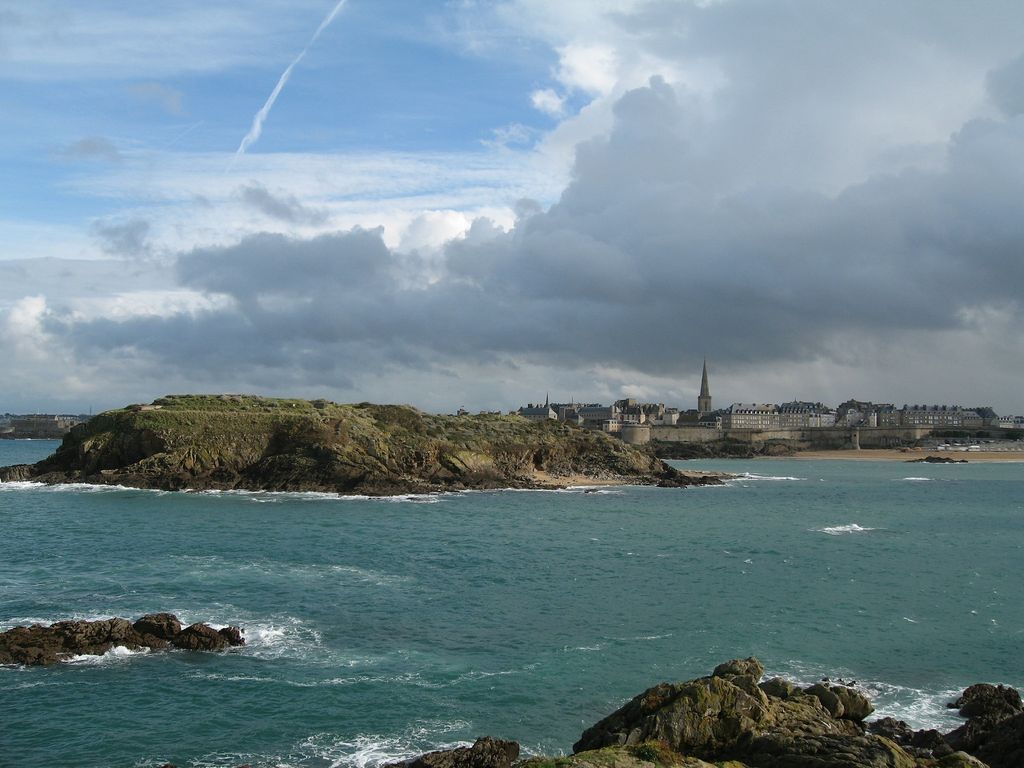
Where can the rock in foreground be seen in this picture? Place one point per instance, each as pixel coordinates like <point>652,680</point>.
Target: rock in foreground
<point>733,716</point>
<point>225,442</point>
<point>43,645</point>
<point>486,752</point>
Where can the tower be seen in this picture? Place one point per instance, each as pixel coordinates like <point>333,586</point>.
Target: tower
<point>704,399</point>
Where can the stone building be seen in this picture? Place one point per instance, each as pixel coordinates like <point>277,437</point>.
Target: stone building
<point>538,412</point>
<point>751,416</point>
<point>800,415</point>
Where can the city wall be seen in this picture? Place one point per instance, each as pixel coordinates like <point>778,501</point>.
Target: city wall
<point>811,438</point>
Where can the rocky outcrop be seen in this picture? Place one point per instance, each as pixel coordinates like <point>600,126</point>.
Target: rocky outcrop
<point>202,637</point>
<point>226,442</point>
<point>936,460</point>
<point>994,731</point>
<point>732,716</point>
<point>43,645</point>
<point>486,752</point>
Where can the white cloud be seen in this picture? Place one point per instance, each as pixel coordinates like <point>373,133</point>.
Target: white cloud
<point>548,102</point>
<point>591,68</point>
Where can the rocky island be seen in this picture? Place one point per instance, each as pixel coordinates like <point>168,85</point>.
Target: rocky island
<point>241,442</point>
<point>41,645</point>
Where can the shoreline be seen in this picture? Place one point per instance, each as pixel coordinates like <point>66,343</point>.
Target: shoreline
<point>547,481</point>
<point>906,456</point>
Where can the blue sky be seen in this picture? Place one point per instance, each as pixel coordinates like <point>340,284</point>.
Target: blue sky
<point>473,202</point>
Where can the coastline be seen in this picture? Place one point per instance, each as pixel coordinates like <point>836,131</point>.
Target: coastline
<point>896,454</point>
<point>545,480</point>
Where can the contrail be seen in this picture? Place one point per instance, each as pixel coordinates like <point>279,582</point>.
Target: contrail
<point>261,116</point>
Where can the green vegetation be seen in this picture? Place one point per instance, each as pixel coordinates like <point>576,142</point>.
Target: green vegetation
<point>648,752</point>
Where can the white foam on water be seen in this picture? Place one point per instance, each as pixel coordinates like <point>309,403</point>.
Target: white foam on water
<point>266,637</point>
<point>278,497</point>
<point>840,530</point>
<point>920,708</point>
<point>641,638</point>
<point>20,485</point>
<point>27,621</point>
<point>917,479</point>
<point>117,654</point>
<point>285,637</point>
<point>583,648</point>
<point>28,485</point>
<point>371,750</point>
<point>756,476</point>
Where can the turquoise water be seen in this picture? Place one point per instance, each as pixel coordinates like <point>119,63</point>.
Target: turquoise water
<point>379,628</point>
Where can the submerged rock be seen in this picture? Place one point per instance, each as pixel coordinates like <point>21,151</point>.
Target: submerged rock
<point>44,645</point>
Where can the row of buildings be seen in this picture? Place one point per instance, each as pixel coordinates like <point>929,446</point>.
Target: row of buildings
<point>36,426</point>
<point>769,416</point>
<point>854,413</point>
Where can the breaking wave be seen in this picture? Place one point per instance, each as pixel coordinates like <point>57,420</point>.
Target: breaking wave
<point>840,530</point>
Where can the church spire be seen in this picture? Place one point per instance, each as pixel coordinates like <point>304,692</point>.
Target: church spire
<point>704,399</point>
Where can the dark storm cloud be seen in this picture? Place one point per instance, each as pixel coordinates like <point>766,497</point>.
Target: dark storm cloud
<point>1006,87</point>
<point>128,238</point>
<point>282,207</point>
<point>679,235</point>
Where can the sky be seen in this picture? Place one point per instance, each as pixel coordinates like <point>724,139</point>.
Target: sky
<point>478,203</point>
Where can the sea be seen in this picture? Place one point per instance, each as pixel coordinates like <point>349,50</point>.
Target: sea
<point>381,628</point>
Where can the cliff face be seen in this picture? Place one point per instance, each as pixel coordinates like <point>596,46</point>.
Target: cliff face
<point>255,443</point>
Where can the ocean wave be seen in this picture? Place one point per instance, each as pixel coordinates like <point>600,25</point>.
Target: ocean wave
<point>277,497</point>
<point>371,750</point>
<point>117,654</point>
<point>916,479</point>
<point>30,485</point>
<point>27,621</point>
<point>840,530</point>
<point>582,648</point>
<point>754,476</point>
<point>279,638</point>
<point>259,497</point>
<point>921,708</point>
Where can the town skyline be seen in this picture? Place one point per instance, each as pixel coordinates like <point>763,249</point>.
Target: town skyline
<point>704,401</point>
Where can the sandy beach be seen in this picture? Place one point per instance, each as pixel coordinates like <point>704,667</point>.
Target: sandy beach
<point>895,454</point>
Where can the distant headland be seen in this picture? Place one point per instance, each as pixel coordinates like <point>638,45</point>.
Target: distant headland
<point>244,442</point>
